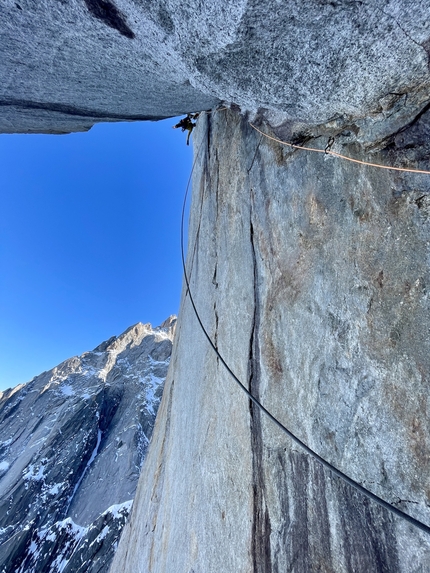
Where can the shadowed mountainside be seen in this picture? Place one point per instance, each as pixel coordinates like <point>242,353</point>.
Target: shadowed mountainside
<point>72,444</point>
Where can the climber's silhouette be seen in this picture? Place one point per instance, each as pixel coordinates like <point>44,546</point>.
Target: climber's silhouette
<point>187,124</point>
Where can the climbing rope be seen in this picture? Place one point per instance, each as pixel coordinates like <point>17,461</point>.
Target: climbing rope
<point>318,458</point>
<point>328,151</point>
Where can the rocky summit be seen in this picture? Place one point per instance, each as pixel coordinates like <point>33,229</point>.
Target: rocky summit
<point>72,444</point>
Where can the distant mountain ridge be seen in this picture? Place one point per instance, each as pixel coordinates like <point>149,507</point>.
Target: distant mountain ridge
<point>72,442</point>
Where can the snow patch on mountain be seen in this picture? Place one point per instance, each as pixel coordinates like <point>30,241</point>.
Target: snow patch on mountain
<point>72,442</point>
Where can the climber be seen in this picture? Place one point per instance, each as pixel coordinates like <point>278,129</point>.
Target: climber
<point>187,123</point>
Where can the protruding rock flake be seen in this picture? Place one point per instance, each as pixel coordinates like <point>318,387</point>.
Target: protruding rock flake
<point>73,442</point>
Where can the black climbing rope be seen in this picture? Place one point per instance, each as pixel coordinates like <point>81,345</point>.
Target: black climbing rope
<point>326,464</point>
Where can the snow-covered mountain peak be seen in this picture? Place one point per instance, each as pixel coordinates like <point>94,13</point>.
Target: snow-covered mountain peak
<point>72,441</point>
<point>134,335</point>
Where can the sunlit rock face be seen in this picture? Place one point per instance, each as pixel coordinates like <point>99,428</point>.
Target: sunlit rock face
<point>311,276</point>
<point>310,273</point>
<point>69,64</point>
<point>72,442</point>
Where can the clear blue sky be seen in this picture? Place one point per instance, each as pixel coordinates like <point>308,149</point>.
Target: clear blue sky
<point>89,239</point>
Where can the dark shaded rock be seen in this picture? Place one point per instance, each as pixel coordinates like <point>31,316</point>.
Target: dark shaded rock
<point>108,13</point>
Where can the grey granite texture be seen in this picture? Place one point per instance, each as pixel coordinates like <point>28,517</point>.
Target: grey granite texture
<point>311,275</point>
<point>68,64</point>
<point>72,442</point>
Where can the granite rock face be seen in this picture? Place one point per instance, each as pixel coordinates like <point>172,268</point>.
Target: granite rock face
<point>69,64</point>
<point>311,275</point>
<point>72,444</point>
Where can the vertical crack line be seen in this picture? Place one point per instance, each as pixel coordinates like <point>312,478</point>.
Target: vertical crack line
<point>215,233</point>
<point>217,185</point>
<point>216,331</point>
<point>216,328</point>
<point>215,239</point>
<point>209,133</point>
<point>214,278</point>
<point>255,154</point>
<point>196,241</point>
<point>206,182</point>
<point>261,528</point>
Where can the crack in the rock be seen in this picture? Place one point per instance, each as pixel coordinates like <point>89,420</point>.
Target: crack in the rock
<point>390,138</point>
<point>208,134</point>
<point>196,242</point>
<point>255,154</point>
<point>406,33</point>
<point>404,501</point>
<point>401,27</point>
<point>206,174</point>
<point>216,330</point>
<point>420,202</point>
<point>214,278</point>
<point>109,14</point>
<point>261,527</point>
<point>217,189</point>
<point>214,281</point>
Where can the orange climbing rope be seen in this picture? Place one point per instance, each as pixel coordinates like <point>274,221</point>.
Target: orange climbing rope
<point>339,155</point>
